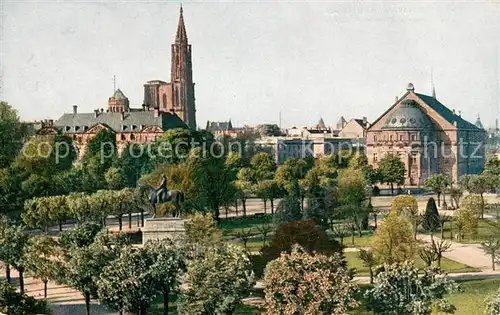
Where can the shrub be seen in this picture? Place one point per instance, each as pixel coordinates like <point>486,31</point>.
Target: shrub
<point>82,235</point>
<point>14,303</point>
<point>288,210</point>
<point>305,233</point>
<point>431,216</point>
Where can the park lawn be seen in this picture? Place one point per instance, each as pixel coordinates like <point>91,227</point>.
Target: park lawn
<point>357,241</point>
<point>233,226</point>
<point>448,265</point>
<point>157,307</point>
<point>484,231</point>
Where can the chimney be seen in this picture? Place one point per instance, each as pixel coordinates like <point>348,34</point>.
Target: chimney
<point>156,111</point>
<point>102,110</point>
<point>397,98</point>
<point>365,121</point>
<point>143,107</point>
<point>75,109</point>
<point>51,122</point>
<point>96,113</point>
<point>454,112</point>
<point>459,113</point>
<point>122,115</point>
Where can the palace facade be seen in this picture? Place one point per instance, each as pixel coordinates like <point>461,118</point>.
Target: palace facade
<point>428,137</point>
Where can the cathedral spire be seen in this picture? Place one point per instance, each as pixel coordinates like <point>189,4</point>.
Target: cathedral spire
<point>181,36</point>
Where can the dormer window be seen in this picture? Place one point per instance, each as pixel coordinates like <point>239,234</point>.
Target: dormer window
<point>85,128</point>
<point>77,128</point>
<point>134,127</point>
<point>124,128</point>
<point>67,128</point>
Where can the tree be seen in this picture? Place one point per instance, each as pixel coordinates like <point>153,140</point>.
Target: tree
<point>265,229</point>
<point>216,282</point>
<point>81,235</point>
<point>492,165</point>
<point>391,170</point>
<point>288,210</point>
<point>13,247</point>
<point>492,247</point>
<point>431,219</point>
<point>305,233</point>
<point>465,221</point>
<point>168,265</point>
<point>115,179</point>
<point>407,206</point>
<point>473,203</point>
<point>245,185</point>
<point>437,183</point>
<point>263,166</point>
<point>433,251</point>
<point>127,283</point>
<point>456,192</point>
<point>400,290</point>
<point>300,282</point>
<point>289,174</point>
<point>201,233</point>
<point>14,303</point>
<point>270,190</point>
<point>11,134</point>
<point>40,252</point>
<point>443,218</point>
<point>351,192</point>
<point>393,241</point>
<point>369,261</point>
<point>479,184</point>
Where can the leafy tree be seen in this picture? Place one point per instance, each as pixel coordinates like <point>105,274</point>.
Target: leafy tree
<point>201,233</point>
<point>10,185</point>
<point>115,178</point>
<point>473,203</point>
<point>408,207</point>
<point>14,303</point>
<point>437,183</point>
<point>269,190</point>
<point>492,247</point>
<point>265,229</point>
<point>39,254</point>
<point>369,260</point>
<point>479,184</point>
<point>400,290</point>
<point>288,210</point>
<point>245,185</point>
<point>11,134</point>
<point>465,221</point>
<point>263,166</point>
<point>391,170</point>
<point>393,241</point>
<point>456,192</point>
<point>36,213</point>
<point>68,181</point>
<point>168,265</point>
<point>81,235</point>
<point>431,217</point>
<point>126,284</point>
<point>216,282</point>
<point>443,218</point>
<point>305,233</point>
<point>13,247</point>
<point>289,174</point>
<point>308,283</point>
<point>492,165</point>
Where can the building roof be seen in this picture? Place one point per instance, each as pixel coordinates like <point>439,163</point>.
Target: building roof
<point>321,124</point>
<point>219,126</point>
<point>118,95</point>
<point>445,112</point>
<point>363,122</point>
<point>181,36</point>
<point>478,123</point>
<point>132,121</point>
<point>408,116</point>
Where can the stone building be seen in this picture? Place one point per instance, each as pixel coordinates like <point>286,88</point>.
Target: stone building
<point>355,129</point>
<point>428,137</point>
<point>176,96</point>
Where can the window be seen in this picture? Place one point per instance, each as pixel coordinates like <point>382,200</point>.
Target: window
<point>374,137</point>
<point>132,137</point>
<point>413,137</point>
<point>164,100</point>
<point>375,157</point>
<point>123,137</point>
<point>390,138</point>
<point>413,159</point>
<point>401,137</point>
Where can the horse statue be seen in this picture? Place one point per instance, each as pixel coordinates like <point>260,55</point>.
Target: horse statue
<point>162,195</point>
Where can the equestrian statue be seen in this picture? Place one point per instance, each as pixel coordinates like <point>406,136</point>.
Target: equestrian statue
<point>162,195</point>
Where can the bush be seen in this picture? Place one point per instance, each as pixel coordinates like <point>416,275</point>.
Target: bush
<point>82,235</point>
<point>258,265</point>
<point>431,217</point>
<point>288,210</point>
<point>305,233</point>
<point>14,303</point>
<point>493,304</point>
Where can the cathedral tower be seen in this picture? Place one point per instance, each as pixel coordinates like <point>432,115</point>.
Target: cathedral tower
<point>183,101</point>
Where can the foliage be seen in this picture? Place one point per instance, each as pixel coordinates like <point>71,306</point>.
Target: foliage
<point>399,290</point>
<point>493,304</point>
<point>431,216</point>
<point>492,248</point>
<point>263,166</point>
<point>303,283</point>
<point>126,284</point>
<point>433,252</point>
<point>201,233</point>
<point>305,233</point>
<point>437,183</point>
<point>472,203</point>
<point>288,210</point>
<point>14,303</point>
<point>391,170</point>
<point>39,254</point>
<point>115,178</point>
<point>465,221</point>
<point>216,282</point>
<point>407,206</point>
<point>13,246</point>
<point>10,134</point>
<point>393,240</point>
<point>369,260</point>
<point>81,235</point>
<point>289,174</point>
<point>492,165</point>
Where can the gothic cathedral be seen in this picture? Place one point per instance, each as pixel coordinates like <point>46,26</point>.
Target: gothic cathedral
<point>178,95</point>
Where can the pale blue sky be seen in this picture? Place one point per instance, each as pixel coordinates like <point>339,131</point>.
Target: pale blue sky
<point>254,58</point>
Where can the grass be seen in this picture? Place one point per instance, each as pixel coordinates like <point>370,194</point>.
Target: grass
<point>357,241</point>
<point>447,265</point>
<point>231,227</point>
<point>484,231</point>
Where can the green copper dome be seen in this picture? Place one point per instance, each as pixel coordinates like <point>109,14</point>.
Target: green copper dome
<point>408,116</point>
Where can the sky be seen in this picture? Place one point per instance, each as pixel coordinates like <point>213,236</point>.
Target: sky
<point>254,59</point>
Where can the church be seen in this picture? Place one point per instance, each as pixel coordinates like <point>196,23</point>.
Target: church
<point>176,96</point>
<point>428,137</point>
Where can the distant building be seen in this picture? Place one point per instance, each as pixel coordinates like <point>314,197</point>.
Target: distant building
<point>354,129</point>
<point>428,137</point>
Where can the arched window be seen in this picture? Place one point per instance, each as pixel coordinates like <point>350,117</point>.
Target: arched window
<point>164,100</point>
<point>176,95</point>
<point>132,137</point>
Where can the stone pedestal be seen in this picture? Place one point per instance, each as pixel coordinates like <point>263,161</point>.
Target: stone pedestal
<point>161,228</point>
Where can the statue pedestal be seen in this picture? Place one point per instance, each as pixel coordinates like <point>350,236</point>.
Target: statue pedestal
<point>161,228</point>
